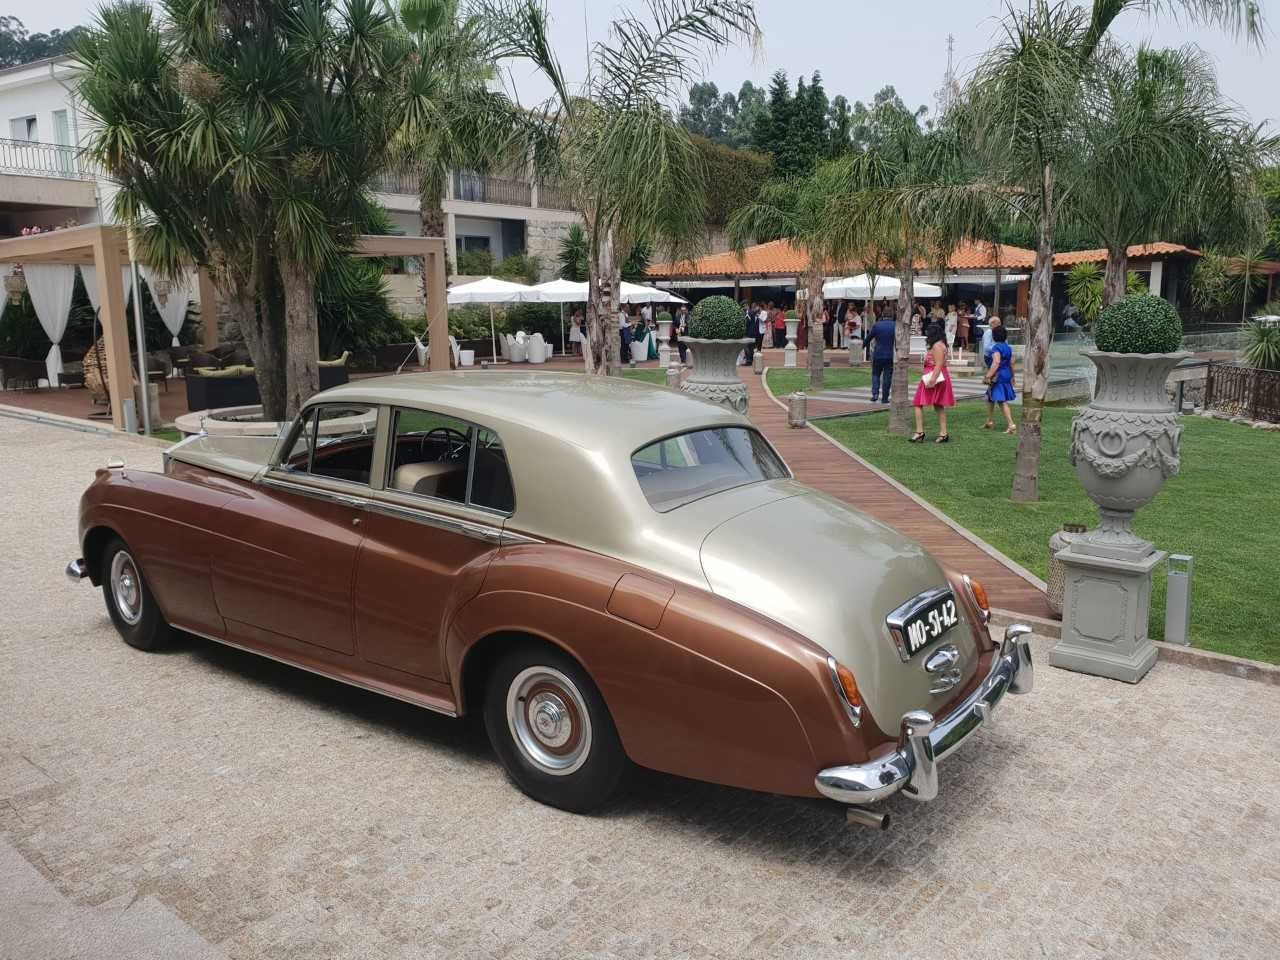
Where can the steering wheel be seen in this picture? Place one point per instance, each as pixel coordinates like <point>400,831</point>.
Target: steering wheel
<point>457,443</point>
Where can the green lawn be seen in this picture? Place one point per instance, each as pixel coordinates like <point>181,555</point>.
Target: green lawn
<point>784,380</point>
<point>649,376</point>
<point>1219,509</point>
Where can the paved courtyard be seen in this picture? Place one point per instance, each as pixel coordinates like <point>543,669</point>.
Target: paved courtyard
<point>207,803</point>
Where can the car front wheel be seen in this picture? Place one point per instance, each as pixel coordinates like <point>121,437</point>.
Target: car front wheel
<point>551,729</point>
<point>129,601</point>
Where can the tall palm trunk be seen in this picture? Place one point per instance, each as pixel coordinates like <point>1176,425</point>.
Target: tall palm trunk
<point>302,336</point>
<point>1115,284</point>
<point>813,317</point>
<point>899,404</point>
<point>431,215</point>
<point>603,275</point>
<point>1035,377</point>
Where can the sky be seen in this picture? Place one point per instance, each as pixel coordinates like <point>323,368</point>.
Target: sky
<point>858,46</point>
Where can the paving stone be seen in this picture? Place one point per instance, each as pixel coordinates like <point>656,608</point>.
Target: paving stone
<point>270,813</point>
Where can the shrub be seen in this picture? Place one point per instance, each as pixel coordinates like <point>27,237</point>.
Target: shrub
<point>520,268</point>
<point>663,316</point>
<point>475,263</point>
<point>1139,323</point>
<point>1262,344</point>
<point>733,177</point>
<point>1084,289</point>
<point>716,318</point>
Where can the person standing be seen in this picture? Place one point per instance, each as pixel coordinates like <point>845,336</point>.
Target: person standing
<point>950,325</point>
<point>762,324</point>
<point>882,336</point>
<point>749,330</point>
<point>962,327</point>
<point>853,327</point>
<point>999,378</point>
<point>575,333</point>
<point>779,328</point>
<point>988,339</point>
<point>934,389</point>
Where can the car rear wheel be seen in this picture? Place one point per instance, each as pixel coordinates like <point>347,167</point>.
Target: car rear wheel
<point>551,729</point>
<point>129,601</point>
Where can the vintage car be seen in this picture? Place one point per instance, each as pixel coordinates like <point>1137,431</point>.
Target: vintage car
<point>608,571</point>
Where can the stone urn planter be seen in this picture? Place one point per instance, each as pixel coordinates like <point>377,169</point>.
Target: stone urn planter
<point>789,354</point>
<point>715,377</point>
<point>716,327</point>
<point>664,339</point>
<point>1125,444</point>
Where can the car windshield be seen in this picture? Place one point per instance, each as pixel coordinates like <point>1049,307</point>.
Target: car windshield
<point>679,469</point>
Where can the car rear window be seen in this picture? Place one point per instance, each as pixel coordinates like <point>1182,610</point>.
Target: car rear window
<point>688,466</point>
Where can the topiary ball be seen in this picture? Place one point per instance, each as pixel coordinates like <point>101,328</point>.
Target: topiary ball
<point>663,316</point>
<point>717,318</point>
<point>1138,323</point>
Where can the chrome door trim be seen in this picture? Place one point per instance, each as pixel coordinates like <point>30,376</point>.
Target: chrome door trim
<point>485,532</point>
<point>314,490</point>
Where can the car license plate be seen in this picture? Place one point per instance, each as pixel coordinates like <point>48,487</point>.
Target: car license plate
<point>928,624</point>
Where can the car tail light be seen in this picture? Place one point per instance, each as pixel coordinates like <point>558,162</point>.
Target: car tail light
<point>978,594</point>
<point>846,689</point>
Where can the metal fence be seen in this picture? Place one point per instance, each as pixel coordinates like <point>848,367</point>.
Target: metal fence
<point>481,189</point>
<point>404,180</point>
<point>552,196</point>
<point>32,158</point>
<point>1243,391</point>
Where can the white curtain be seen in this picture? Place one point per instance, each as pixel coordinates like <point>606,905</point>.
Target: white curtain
<point>174,310</point>
<point>90,274</point>
<point>50,286</point>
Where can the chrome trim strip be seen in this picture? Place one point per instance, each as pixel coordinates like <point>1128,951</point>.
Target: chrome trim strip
<point>467,528</point>
<point>854,712</point>
<point>320,493</point>
<point>923,741</point>
<point>319,673</point>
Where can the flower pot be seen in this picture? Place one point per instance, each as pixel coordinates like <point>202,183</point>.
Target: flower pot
<point>1125,444</point>
<point>715,377</point>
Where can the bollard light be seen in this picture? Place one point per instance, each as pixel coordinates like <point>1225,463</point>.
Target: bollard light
<point>757,362</point>
<point>1177,600</point>
<point>797,409</point>
<point>673,376</point>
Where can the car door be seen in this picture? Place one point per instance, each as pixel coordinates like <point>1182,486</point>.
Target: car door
<point>430,534</point>
<point>287,557</point>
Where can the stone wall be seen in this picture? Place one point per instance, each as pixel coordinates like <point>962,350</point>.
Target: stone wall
<point>542,240</point>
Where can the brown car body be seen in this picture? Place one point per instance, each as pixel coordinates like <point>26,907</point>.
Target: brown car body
<point>698,685</point>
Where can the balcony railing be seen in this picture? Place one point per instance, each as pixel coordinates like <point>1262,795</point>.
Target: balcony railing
<point>552,196</point>
<point>32,158</point>
<point>402,180</point>
<point>480,189</point>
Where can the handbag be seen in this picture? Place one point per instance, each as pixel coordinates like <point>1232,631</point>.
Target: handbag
<point>932,378</point>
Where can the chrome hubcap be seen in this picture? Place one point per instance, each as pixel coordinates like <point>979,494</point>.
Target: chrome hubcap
<point>548,720</point>
<point>126,588</point>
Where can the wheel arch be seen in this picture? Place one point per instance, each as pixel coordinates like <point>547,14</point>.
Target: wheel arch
<point>480,657</point>
<point>94,546</point>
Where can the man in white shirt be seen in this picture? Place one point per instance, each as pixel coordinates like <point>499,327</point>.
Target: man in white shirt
<point>979,311</point>
<point>646,314</point>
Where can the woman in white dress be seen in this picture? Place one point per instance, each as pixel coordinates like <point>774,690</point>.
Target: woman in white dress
<point>949,325</point>
<point>575,332</point>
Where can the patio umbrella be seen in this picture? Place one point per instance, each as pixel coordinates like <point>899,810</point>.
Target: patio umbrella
<point>561,292</point>
<point>637,293</point>
<point>886,288</point>
<point>491,290</point>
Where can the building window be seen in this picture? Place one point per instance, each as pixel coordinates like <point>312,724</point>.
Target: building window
<point>473,243</point>
<point>23,128</point>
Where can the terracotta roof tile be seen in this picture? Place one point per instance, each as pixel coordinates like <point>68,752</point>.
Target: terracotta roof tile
<point>1138,251</point>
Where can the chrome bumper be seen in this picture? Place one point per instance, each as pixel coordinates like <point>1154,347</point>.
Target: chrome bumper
<point>77,570</point>
<point>923,741</point>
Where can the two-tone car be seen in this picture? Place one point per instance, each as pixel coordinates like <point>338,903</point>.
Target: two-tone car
<point>610,572</point>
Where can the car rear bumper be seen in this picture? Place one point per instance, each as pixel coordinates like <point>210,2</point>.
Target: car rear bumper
<point>77,569</point>
<point>924,740</point>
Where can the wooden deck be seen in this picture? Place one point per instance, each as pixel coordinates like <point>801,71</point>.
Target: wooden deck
<point>818,463</point>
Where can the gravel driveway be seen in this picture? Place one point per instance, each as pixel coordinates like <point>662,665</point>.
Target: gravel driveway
<point>208,803</point>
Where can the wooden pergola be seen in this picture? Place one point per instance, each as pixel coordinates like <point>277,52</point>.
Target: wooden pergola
<point>106,247</point>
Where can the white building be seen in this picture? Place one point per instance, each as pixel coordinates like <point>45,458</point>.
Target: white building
<point>45,182</point>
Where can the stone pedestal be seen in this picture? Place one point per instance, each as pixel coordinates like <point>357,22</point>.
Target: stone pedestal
<point>789,353</point>
<point>664,343</point>
<point>1105,610</point>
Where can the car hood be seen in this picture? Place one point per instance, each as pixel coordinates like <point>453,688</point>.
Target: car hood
<point>832,574</point>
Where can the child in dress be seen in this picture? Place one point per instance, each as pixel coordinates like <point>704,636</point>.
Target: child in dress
<point>999,379</point>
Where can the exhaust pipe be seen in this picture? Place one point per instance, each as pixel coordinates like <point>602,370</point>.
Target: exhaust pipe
<point>862,817</point>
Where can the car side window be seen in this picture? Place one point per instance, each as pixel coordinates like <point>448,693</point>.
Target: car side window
<point>342,442</point>
<point>298,459</point>
<point>430,454</point>
<point>491,479</point>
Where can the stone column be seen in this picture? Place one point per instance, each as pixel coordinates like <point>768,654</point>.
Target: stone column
<point>664,343</point>
<point>789,354</point>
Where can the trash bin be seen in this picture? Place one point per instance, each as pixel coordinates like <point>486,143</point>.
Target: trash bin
<point>1057,579</point>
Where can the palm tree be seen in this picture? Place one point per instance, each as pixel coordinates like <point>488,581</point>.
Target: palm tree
<point>244,135</point>
<point>573,254</point>
<point>1164,155</point>
<point>623,160</point>
<point>451,116</point>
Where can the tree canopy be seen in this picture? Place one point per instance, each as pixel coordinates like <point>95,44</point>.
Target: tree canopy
<point>18,46</point>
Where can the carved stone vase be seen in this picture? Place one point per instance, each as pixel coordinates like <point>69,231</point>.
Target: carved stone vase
<point>715,372</point>
<point>664,343</point>
<point>789,353</point>
<point>1126,444</point>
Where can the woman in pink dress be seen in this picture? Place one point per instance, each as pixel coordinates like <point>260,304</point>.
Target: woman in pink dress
<point>934,389</point>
